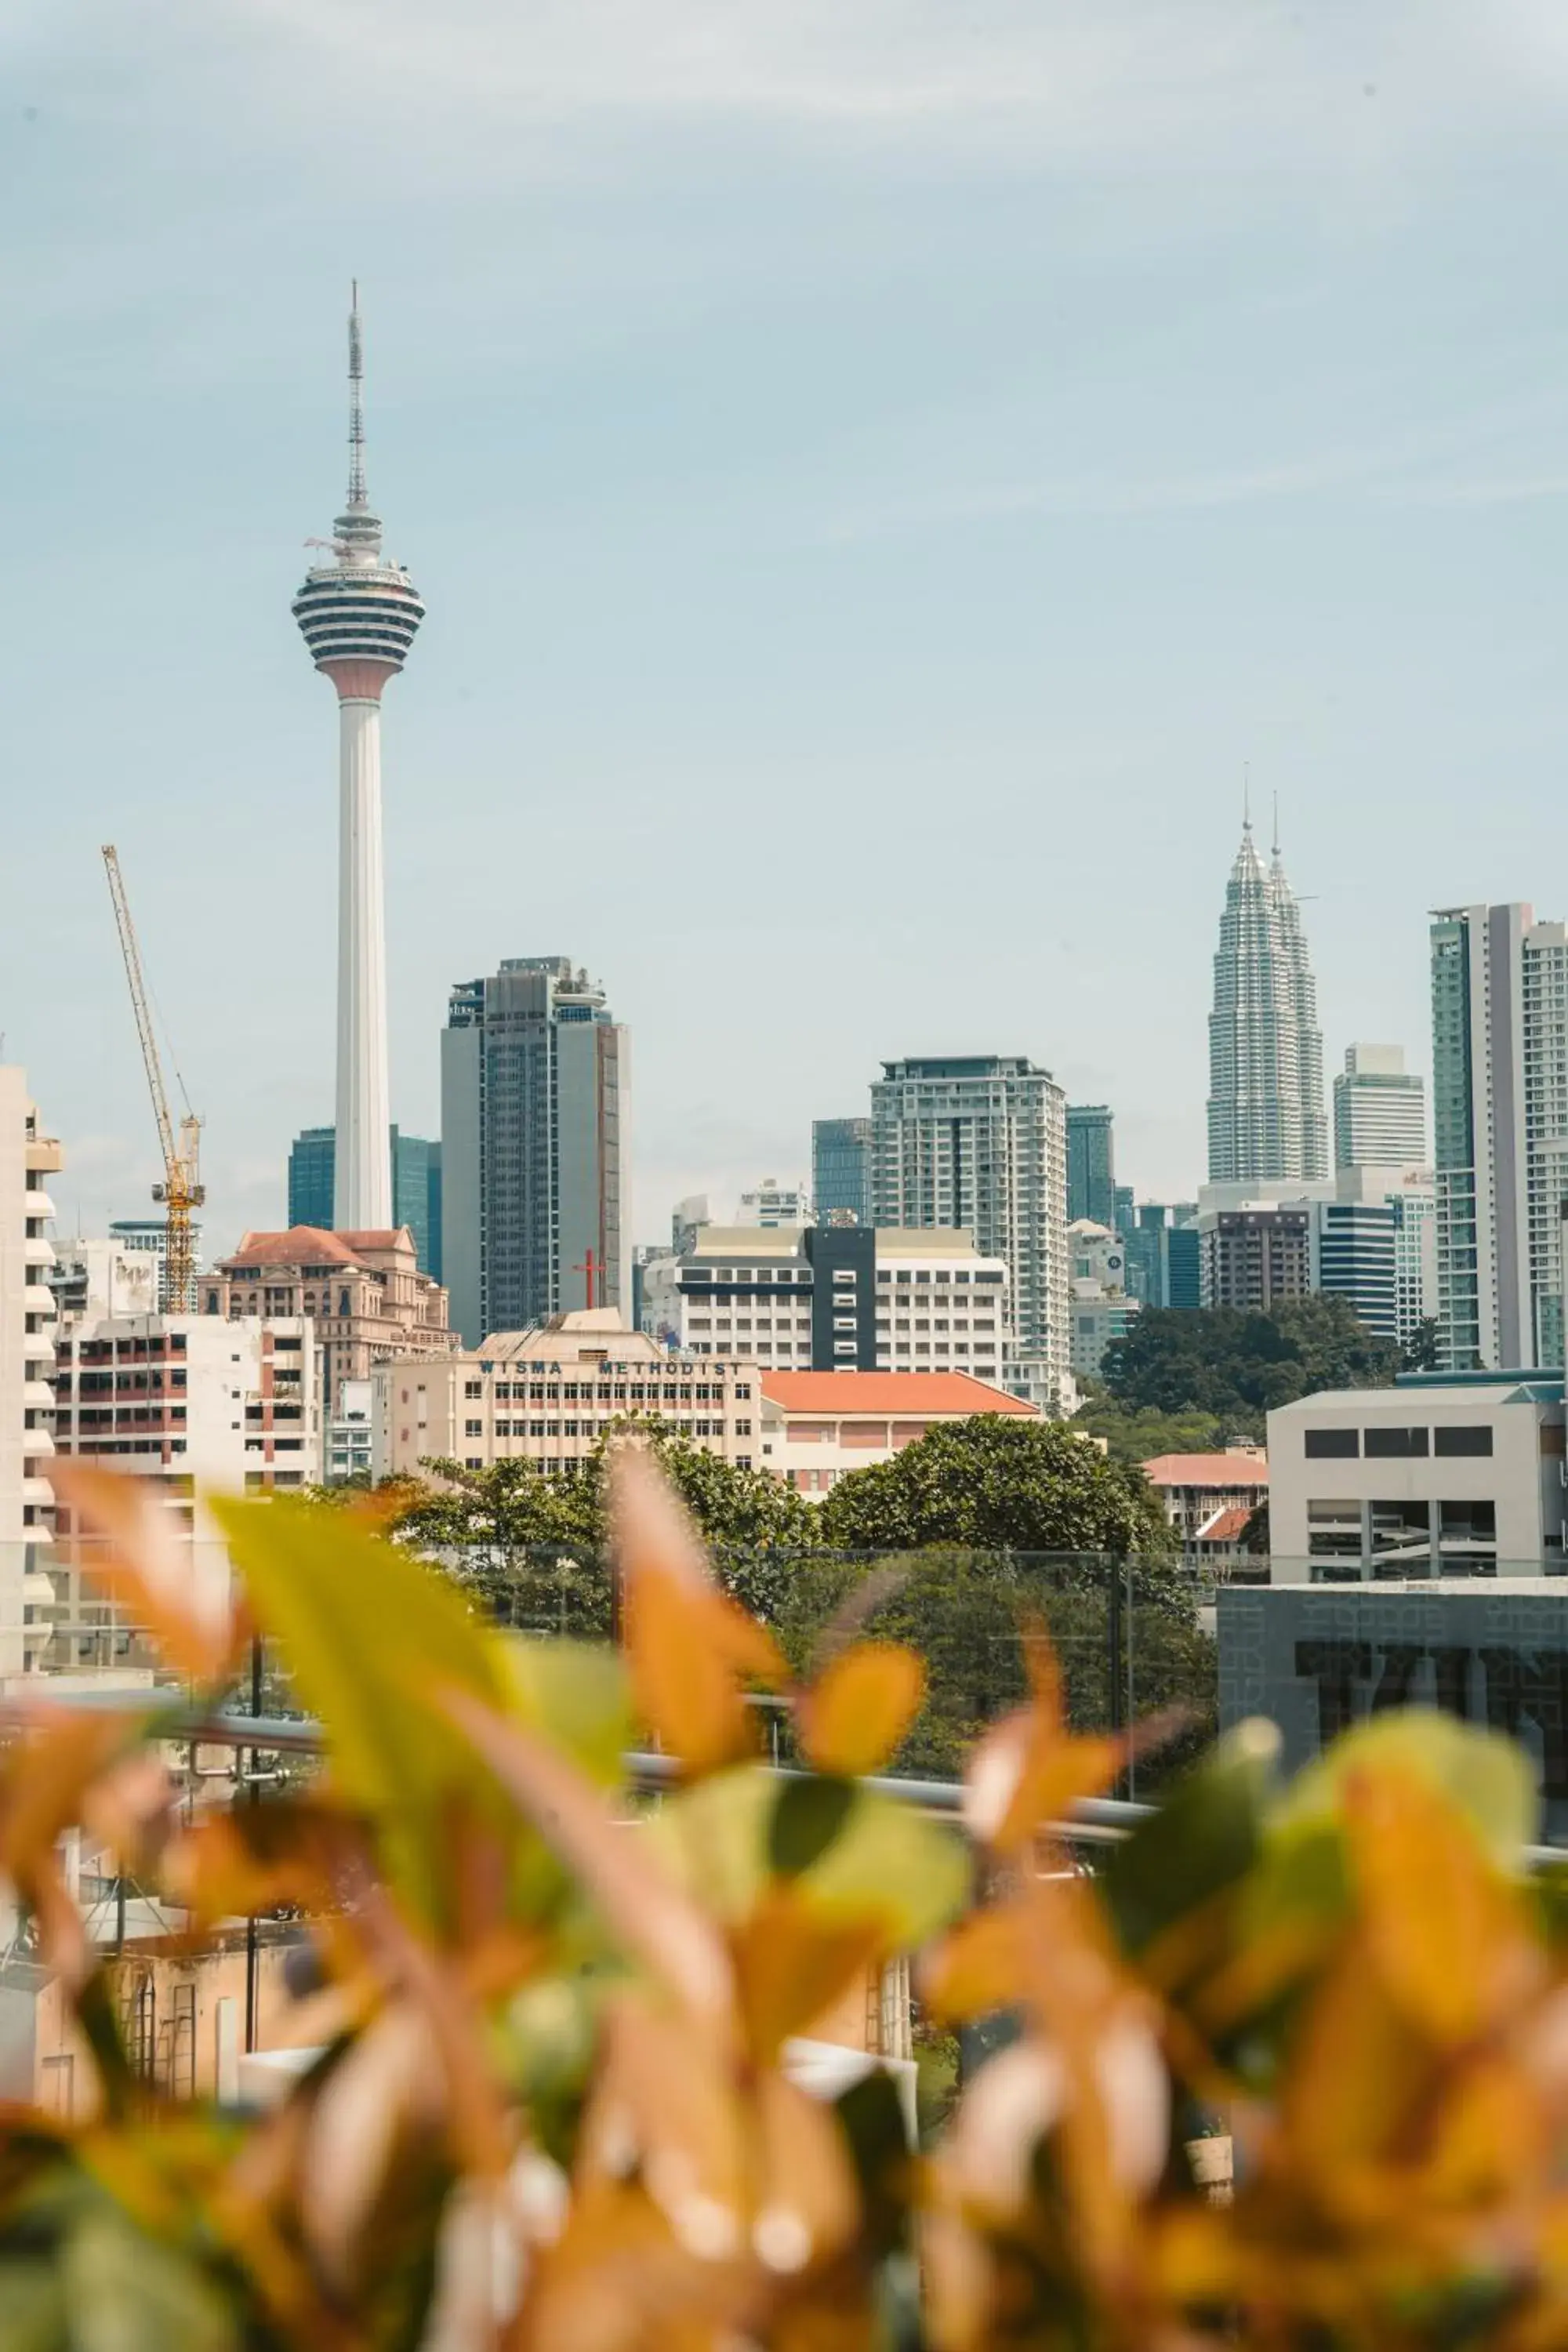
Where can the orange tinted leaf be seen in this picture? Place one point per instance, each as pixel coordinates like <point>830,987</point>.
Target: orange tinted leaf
<point>687,1644</point>
<point>140,1563</point>
<point>615,1862</point>
<point>1356,2071</point>
<point>1026,1773</point>
<point>808,2200</point>
<point>665,2103</point>
<point>978,1967</point>
<point>860,1707</point>
<point>793,1962</point>
<point>1444,1929</point>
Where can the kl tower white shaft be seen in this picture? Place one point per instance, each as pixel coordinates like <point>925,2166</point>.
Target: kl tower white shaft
<point>358,614</point>
<point>361,1185</point>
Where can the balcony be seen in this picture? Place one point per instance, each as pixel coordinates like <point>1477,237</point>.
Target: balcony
<point>45,1155</point>
<point>36,1297</point>
<point>38,1204</point>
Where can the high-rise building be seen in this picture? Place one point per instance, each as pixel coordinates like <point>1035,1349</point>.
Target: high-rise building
<point>149,1237</point>
<point>535,1163</point>
<point>415,1182</point>
<point>1124,1220</point>
<point>979,1142</point>
<point>358,614</point>
<point>1380,1110</point>
<point>1255,1256</point>
<point>1266,1051</point>
<point>1354,1246</point>
<point>28,1324</point>
<point>841,1169</point>
<point>1499,1111</point>
<point>1102,1308</point>
<point>1092,1166</point>
<point>1161,1241</point>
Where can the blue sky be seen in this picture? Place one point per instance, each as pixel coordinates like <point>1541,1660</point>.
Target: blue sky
<point>876,475</point>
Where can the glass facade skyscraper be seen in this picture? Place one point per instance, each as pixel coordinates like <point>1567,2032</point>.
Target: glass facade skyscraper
<point>1092,1165</point>
<point>415,1187</point>
<point>841,1168</point>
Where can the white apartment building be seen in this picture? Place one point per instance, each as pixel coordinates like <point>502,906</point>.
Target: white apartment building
<point>347,1453</point>
<point>1380,1110</point>
<point>550,1394</point>
<point>1500,1103</point>
<point>846,1298</point>
<point>978,1143</point>
<point>27,1156</point>
<point>201,1404</point>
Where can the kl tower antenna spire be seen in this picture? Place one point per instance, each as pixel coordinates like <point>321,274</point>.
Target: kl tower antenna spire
<point>358,614</point>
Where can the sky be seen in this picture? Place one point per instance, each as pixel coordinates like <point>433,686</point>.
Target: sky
<point>879,476</point>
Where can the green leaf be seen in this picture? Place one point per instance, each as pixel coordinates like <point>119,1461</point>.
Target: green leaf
<point>575,1694</point>
<point>1485,1775</point>
<point>887,1858</point>
<point>1206,1836</point>
<point>125,2291</point>
<point>370,1635</point>
<point>32,2307</point>
<point>806,1817</point>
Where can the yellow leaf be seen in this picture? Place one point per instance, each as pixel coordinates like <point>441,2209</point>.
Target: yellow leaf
<point>860,1706</point>
<point>137,1559</point>
<point>793,1963</point>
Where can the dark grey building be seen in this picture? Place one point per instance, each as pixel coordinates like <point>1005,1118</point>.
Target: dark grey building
<point>535,1084</point>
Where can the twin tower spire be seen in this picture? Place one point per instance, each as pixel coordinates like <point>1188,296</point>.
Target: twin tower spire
<point>1266,1117</point>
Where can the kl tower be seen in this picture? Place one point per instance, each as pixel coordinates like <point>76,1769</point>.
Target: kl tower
<point>358,616</point>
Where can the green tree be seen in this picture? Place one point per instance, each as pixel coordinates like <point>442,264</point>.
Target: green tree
<point>999,1484</point>
<point>1239,1366</point>
<point>1421,1348</point>
<point>1138,1433</point>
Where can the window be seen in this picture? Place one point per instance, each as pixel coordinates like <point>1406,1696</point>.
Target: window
<point>1467,1523</point>
<point>473,1387</point>
<point>1393,1444</point>
<point>743,1429</point>
<point>473,1429</point>
<point>1333,1529</point>
<point>1401,1527</point>
<point>1449,1444</point>
<point>1332,1445</point>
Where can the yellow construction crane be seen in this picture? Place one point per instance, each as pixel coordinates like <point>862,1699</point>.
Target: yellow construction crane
<point>180,1189</point>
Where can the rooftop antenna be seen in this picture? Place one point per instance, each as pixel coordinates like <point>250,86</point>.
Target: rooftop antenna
<point>1245,797</point>
<point>356,403</point>
<point>1276,824</point>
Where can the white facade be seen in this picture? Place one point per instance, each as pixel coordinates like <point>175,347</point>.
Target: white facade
<point>150,1237</point>
<point>1266,1051</point>
<point>550,1395</point>
<point>93,1277</point>
<point>1380,1110</point>
<point>940,1306</point>
<point>201,1405</point>
<point>1101,1308</point>
<point>773,1204</point>
<point>1448,1478</point>
<point>27,1156</point>
<point>978,1143</point>
<point>358,616</point>
<point>817,1427</point>
<point>1499,1056</point>
<point>348,1448</point>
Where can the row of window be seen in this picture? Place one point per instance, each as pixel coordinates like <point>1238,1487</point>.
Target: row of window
<point>566,1469</point>
<point>1396,1444</point>
<point>698,1428</point>
<point>614,1392</point>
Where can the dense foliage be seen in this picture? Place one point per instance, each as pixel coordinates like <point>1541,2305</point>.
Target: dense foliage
<point>1238,1367</point>
<point>998,1484</point>
<point>1138,1433</point>
<point>552,2105</point>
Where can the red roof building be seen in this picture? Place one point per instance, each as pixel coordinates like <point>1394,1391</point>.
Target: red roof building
<point>817,1425</point>
<point>364,1292</point>
<point>1209,1497</point>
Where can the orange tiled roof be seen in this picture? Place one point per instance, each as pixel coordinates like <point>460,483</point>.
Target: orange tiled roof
<point>307,1245</point>
<point>1208,1470</point>
<point>1225,1525</point>
<point>900,1393</point>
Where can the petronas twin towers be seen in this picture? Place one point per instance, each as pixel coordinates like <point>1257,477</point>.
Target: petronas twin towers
<point>1265,1050</point>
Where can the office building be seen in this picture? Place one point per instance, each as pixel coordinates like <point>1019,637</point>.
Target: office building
<point>535,1169</point>
<point>1102,1308</point>
<point>28,1155</point>
<point>358,614</point>
<point>1443,1474</point>
<point>363,1294</point>
<point>774,1206</point>
<point>1499,1104</point>
<point>95,1276</point>
<point>844,1297</point>
<point>841,1171</point>
<point>1124,1220</point>
<point>1266,1052</point>
<point>1353,1256</point>
<point>149,1237</point>
<point>415,1168</point>
<point>686,1221</point>
<point>1408,1194</point>
<point>1380,1110</point>
<point>552,1393</point>
<point>1162,1241</point>
<point>1092,1166</point>
<point>1255,1256</point>
<point>978,1143</point>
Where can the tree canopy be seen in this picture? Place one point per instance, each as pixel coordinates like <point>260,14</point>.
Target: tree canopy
<point>1137,1433</point>
<point>997,1484</point>
<point>1239,1366</point>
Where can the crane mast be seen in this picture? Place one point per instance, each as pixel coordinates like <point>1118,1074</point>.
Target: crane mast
<point>180,1189</point>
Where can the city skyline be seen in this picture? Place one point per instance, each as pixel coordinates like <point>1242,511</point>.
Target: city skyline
<point>860,452</point>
